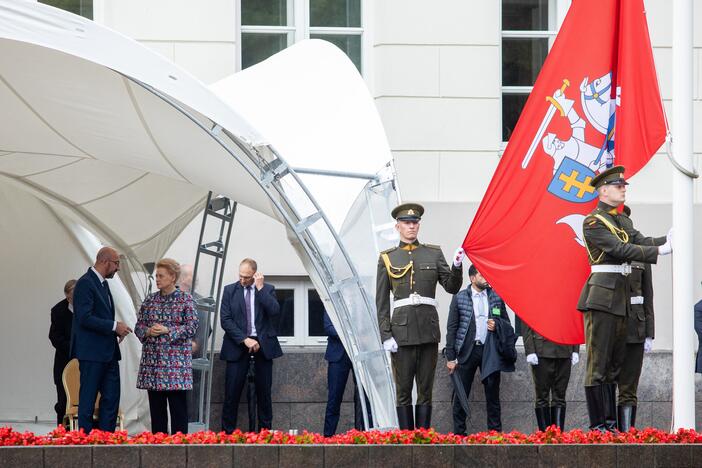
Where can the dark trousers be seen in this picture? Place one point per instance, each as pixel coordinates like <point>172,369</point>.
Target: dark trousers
<point>466,372</point>
<point>60,406</point>
<point>605,336</point>
<point>177,403</point>
<point>337,376</point>
<point>234,382</point>
<point>551,378</point>
<point>628,381</point>
<point>97,377</point>
<point>415,361</point>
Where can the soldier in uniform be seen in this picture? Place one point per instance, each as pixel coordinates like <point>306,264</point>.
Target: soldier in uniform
<point>411,332</point>
<point>612,244</point>
<point>550,368</point>
<point>639,336</point>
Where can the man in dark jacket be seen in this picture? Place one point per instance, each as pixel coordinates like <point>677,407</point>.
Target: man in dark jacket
<point>409,326</point>
<point>639,337</point>
<point>60,337</point>
<point>550,368</point>
<point>249,319</point>
<point>612,244</point>
<point>473,317</point>
<point>338,368</point>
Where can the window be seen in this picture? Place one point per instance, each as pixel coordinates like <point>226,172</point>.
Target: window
<point>301,312</point>
<point>79,7</point>
<point>529,28</point>
<point>269,26</point>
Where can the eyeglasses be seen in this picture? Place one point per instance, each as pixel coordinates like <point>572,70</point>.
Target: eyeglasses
<point>116,262</point>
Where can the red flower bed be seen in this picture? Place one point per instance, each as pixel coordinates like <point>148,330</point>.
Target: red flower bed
<point>553,435</point>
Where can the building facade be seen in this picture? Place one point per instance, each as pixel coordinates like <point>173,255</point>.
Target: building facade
<point>449,79</point>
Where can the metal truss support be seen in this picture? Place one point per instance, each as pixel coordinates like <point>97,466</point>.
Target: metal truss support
<point>324,256</point>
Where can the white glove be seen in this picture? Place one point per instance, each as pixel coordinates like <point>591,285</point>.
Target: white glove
<point>533,359</point>
<point>574,359</point>
<point>390,345</point>
<point>648,344</point>
<point>458,257</point>
<point>667,248</point>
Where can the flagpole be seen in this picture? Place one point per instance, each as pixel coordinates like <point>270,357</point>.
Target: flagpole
<point>683,274</point>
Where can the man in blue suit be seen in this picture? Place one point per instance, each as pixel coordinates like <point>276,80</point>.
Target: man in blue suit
<point>95,342</point>
<point>250,312</point>
<point>338,368</point>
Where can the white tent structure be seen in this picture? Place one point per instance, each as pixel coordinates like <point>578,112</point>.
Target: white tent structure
<point>104,141</point>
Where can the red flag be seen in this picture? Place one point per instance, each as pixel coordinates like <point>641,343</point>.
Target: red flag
<point>596,102</point>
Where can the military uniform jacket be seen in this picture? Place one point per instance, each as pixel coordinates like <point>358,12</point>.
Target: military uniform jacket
<point>609,292</point>
<point>543,348</point>
<point>415,268</point>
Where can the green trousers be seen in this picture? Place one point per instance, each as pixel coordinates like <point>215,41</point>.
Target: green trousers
<point>551,376</point>
<point>628,380</point>
<point>415,362</point>
<point>605,337</point>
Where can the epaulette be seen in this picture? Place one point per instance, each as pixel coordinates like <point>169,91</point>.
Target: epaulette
<point>590,220</point>
<point>389,250</point>
<point>432,246</point>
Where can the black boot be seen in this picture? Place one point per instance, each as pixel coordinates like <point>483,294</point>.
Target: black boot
<point>610,391</point>
<point>627,417</point>
<point>558,416</point>
<point>543,418</point>
<point>594,395</point>
<point>422,415</point>
<point>405,417</point>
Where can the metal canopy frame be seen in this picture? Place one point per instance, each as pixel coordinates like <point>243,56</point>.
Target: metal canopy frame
<point>339,283</point>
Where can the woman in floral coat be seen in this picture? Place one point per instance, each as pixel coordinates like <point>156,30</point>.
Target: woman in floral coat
<point>166,324</point>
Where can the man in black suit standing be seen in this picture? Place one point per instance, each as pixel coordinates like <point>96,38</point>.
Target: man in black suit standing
<point>95,342</point>
<point>60,337</point>
<point>250,313</point>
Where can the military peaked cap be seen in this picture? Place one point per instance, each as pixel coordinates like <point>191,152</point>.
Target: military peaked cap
<point>408,212</point>
<point>612,176</point>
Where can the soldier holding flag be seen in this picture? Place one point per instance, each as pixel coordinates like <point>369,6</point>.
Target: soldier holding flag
<point>612,243</point>
<point>411,271</point>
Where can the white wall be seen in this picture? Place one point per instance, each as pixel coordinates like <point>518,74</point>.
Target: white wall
<point>198,36</point>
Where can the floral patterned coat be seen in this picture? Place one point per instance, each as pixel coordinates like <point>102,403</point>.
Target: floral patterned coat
<point>166,360</point>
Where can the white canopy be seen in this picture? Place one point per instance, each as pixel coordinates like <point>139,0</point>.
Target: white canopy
<point>112,137</point>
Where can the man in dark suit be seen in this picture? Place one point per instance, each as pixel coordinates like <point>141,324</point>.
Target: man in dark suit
<point>249,318</point>
<point>338,368</point>
<point>60,337</point>
<point>472,318</point>
<point>95,342</point>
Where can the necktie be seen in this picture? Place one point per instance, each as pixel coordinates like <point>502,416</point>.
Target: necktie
<point>247,300</point>
<point>109,295</point>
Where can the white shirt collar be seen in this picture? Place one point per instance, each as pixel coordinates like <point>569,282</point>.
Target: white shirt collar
<point>474,292</point>
<point>100,278</point>
<point>70,307</point>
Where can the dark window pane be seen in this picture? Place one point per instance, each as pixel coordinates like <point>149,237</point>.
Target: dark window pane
<point>335,13</point>
<point>522,60</point>
<point>350,44</point>
<point>315,309</point>
<point>512,105</point>
<point>264,12</point>
<point>258,47</point>
<point>286,324</point>
<point>79,7</point>
<point>525,15</point>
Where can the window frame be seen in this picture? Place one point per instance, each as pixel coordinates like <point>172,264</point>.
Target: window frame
<point>557,10</point>
<point>299,29</point>
<point>300,286</point>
